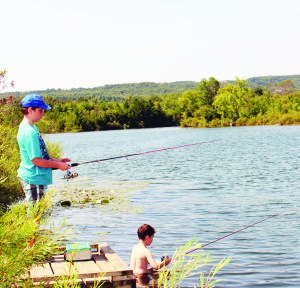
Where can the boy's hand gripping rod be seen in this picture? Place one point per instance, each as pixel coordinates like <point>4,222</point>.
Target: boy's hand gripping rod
<point>135,154</point>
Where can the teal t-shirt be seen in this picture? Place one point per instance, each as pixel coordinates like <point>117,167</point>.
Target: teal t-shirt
<point>33,146</point>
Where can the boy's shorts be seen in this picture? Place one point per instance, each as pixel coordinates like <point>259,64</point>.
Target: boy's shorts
<point>33,192</point>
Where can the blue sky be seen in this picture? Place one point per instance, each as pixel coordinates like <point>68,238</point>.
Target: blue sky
<point>69,44</point>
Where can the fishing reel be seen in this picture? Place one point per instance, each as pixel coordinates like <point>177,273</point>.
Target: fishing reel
<point>69,174</point>
<point>163,258</point>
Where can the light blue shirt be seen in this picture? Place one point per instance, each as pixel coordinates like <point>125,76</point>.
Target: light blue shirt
<point>33,146</point>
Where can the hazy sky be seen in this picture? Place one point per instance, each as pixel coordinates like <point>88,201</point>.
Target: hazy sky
<point>73,43</point>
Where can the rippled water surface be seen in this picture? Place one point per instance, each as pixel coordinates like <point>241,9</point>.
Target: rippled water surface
<point>204,191</point>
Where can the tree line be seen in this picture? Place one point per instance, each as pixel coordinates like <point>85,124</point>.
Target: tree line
<point>118,92</point>
<point>211,105</point>
<point>111,92</point>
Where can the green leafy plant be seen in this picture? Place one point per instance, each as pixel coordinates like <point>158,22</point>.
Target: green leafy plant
<point>10,188</point>
<point>27,238</point>
<point>186,265</point>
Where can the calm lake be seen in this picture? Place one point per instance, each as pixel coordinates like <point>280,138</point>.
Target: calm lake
<point>204,191</point>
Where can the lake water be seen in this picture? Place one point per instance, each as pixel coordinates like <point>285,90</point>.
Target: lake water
<point>204,191</point>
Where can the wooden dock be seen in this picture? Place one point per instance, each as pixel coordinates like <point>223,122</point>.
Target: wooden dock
<point>104,260</point>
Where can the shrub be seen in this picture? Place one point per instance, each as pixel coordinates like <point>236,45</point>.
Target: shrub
<point>55,149</point>
<point>201,122</point>
<point>242,121</point>
<point>268,119</point>
<point>183,123</point>
<point>252,122</point>
<point>26,240</point>
<point>225,122</point>
<point>286,120</point>
<point>296,116</point>
<point>216,123</point>
<point>10,188</point>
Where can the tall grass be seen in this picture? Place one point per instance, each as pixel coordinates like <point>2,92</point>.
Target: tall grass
<point>10,188</point>
<point>27,238</point>
<point>186,265</point>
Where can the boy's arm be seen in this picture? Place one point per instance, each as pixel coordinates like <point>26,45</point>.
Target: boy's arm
<point>60,160</point>
<point>151,260</point>
<point>166,262</point>
<point>40,162</point>
<point>157,265</point>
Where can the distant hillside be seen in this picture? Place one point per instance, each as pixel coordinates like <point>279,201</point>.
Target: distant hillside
<point>120,91</point>
<point>266,80</point>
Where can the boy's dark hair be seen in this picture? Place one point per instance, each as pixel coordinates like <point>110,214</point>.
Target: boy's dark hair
<point>24,110</point>
<point>145,230</point>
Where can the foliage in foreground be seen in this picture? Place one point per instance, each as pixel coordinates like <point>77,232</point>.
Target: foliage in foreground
<point>186,265</point>
<point>27,238</point>
<point>10,188</point>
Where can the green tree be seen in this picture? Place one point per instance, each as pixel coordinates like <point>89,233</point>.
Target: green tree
<point>207,91</point>
<point>231,98</point>
<point>258,91</point>
<point>287,87</point>
<point>188,102</point>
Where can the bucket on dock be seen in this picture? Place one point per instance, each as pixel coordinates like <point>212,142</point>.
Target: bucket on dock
<point>78,252</point>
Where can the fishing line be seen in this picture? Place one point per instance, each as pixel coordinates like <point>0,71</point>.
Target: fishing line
<point>235,232</point>
<point>163,257</point>
<point>141,153</point>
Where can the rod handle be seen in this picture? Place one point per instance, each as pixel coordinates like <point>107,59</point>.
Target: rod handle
<point>72,165</point>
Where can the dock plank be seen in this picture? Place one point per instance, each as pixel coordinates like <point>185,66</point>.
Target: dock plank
<point>105,262</point>
<point>60,266</point>
<point>124,281</point>
<point>105,282</point>
<point>115,260</point>
<point>87,269</point>
<point>41,272</point>
<point>105,266</point>
<point>63,283</point>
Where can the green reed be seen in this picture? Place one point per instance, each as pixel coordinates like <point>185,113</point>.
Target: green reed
<point>186,265</point>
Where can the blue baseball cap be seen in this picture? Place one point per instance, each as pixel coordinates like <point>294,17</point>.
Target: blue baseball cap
<point>34,100</point>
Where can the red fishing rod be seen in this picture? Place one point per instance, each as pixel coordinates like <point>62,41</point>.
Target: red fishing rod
<point>141,153</point>
<point>69,174</point>
<point>235,232</point>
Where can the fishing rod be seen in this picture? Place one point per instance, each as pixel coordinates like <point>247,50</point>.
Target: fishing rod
<point>69,174</point>
<point>164,257</point>
<point>235,232</point>
<point>141,153</point>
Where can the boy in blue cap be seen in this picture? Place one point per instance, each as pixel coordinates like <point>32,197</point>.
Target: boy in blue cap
<point>35,171</point>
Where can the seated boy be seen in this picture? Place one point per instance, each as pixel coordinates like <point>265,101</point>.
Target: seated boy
<point>141,256</point>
